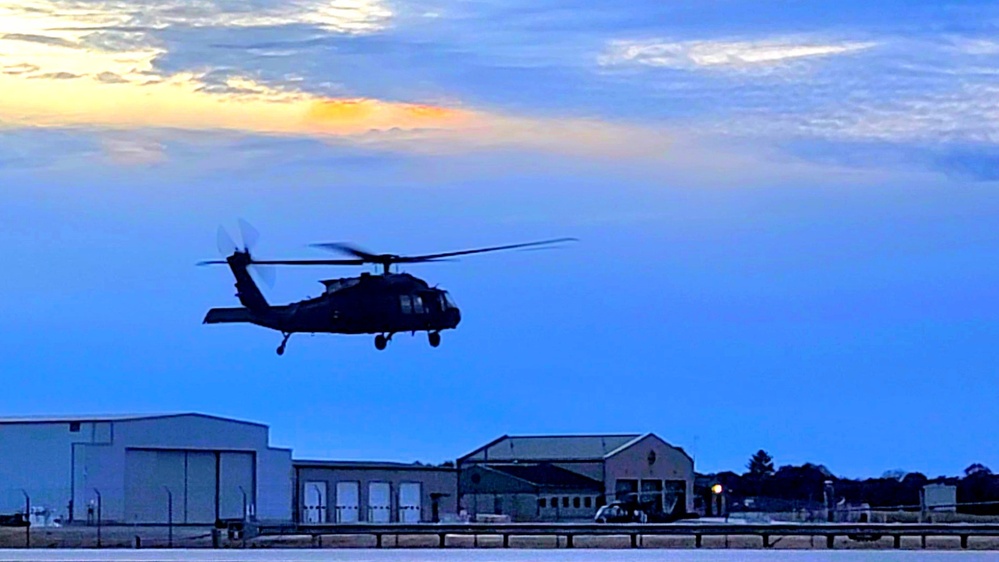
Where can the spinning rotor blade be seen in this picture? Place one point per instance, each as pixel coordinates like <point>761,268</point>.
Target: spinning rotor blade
<point>309,262</point>
<point>367,257</point>
<point>264,274</point>
<point>250,235</point>
<point>350,249</point>
<point>433,257</point>
<point>225,243</point>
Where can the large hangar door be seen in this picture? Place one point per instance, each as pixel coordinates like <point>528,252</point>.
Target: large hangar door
<point>146,475</point>
<point>200,501</point>
<point>235,479</point>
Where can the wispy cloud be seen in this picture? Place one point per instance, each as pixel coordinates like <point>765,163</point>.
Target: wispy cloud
<point>721,54</point>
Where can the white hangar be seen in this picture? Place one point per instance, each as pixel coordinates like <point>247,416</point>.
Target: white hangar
<point>208,468</point>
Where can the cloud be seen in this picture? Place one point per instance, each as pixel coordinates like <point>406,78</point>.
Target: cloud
<point>720,54</point>
<point>133,150</point>
<point>55,76</point>
<point>32,38</point>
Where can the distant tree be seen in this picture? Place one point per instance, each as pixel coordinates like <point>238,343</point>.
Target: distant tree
<point>977,469</point>
<point>894,474</point>
<point>448,464</point>
<point>761,464</point>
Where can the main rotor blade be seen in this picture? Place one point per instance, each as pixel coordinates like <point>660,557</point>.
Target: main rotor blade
<point>431,257</point>
<point>212,262</point>
<point>349,249</point>
<point>309,262</point>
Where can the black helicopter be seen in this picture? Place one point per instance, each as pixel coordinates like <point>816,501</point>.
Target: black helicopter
<point>383,304</point>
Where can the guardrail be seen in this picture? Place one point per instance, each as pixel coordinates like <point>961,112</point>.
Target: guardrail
<point>857,531</point>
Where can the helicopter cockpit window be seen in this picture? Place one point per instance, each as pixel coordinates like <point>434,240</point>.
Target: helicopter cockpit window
<point>449,301</point>
<point>417,305</point>
<point>407,304</point>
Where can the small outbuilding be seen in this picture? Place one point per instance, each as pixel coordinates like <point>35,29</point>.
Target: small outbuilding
<point>375,492</point>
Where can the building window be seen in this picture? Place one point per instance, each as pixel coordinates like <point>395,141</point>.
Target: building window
<point>565,501</point>
<point>542,503</point>
<point>588,502</point>
<point>74,427</point>
<point>576,502</point>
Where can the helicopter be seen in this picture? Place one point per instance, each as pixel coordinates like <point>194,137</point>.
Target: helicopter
<point>383,304</point>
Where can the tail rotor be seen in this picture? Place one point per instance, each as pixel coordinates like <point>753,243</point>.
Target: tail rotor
<point>250,236</point>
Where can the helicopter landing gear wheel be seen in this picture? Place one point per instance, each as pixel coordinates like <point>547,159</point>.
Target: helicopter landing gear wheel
<point>434,338</point>
<point>380,342</point>
<point>284,342</point>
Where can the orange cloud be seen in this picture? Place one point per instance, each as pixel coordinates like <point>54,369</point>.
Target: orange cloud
<point>358,115</point>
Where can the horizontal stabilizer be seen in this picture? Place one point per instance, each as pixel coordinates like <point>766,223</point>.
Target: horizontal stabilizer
<point>227,315</point>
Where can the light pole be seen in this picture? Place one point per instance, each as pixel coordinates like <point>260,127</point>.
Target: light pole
<point>718,499</point>
<point>27,516</point>
<point>169,517</point>
<point>242,491</point>
<point>830,496</point>
<point>98,492</point>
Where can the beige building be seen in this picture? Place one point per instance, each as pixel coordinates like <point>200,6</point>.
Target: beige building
<point>531,478</point>
<point>374,492</point>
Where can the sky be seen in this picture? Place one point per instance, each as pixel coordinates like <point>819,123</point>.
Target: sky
<point>786,216</point>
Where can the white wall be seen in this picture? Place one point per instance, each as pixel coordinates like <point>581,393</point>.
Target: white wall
<point>275,485</point>
<point>37,458</point>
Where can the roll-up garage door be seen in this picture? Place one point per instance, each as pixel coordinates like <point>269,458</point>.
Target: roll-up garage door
<point>314,506</point>
<point>235,480</point>
<point>346,502</point>
<point>379,502</point>
<point>409,502</point>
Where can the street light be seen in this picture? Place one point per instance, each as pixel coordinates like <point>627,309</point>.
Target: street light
<point>27,516</point>
<point>716,489</point>
<point>98,492</point>
<point>169,516</point>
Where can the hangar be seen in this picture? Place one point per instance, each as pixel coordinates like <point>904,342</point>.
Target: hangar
<point>134,466</point>
<point>542,477</point>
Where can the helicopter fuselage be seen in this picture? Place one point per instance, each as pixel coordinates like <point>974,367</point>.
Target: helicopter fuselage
<point>369,304</point>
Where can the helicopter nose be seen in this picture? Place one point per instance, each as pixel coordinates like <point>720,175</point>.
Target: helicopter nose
<point>454,316</point>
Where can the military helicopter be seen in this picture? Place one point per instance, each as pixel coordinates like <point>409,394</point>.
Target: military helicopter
<point>383,304</point>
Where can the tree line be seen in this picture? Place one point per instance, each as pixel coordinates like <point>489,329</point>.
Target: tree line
<point>805,487</point>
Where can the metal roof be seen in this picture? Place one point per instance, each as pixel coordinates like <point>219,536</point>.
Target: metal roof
<point>366,465</point>
<point>85,418</point>
<point>549,476</point>
<point>551,447</point>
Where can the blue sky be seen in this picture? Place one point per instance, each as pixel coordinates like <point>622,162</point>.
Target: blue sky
<point>786,211</point>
